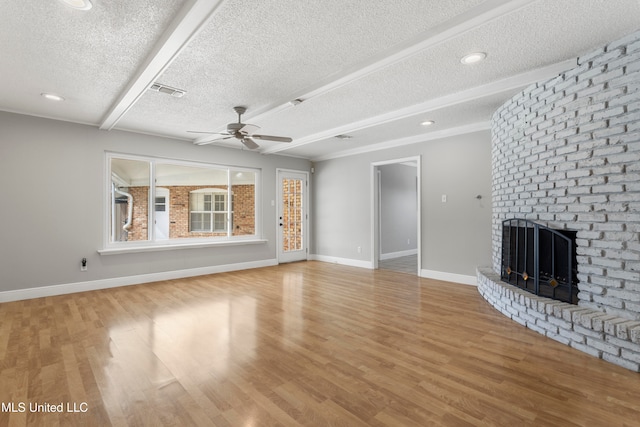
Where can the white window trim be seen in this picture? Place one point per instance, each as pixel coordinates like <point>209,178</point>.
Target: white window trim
<point>158,246</point>
<point>178,243</point>
<point>229,211</point>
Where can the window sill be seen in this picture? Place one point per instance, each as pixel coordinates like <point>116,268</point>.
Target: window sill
<point>175,246</point>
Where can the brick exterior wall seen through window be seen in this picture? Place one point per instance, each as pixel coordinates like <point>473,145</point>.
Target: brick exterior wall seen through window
<point>243,212</point>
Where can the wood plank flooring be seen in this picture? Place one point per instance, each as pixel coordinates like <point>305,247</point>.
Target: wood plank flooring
<point>311,344</point>
<point>406,264</point>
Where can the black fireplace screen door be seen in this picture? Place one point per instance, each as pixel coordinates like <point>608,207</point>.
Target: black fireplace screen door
<point>539,259</point>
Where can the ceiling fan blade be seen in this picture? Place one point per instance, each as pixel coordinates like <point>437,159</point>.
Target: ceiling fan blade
<point>212,141</point>
<point>272,138</point>
<point>249,143</point>
<point>248,129</point>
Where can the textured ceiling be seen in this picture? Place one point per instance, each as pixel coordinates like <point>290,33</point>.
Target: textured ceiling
<point>373,70</point>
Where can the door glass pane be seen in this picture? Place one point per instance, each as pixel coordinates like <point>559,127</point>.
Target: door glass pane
<point>160,204</point>
<point>292,215</point>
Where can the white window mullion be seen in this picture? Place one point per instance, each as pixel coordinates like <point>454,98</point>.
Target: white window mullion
<point>228,204</point>
<point>151,229</point>
<point>112,202</point>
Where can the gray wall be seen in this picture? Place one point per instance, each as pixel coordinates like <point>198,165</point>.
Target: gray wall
<point>52,206</point>
<point>398,208</point>
<point>456,236</point>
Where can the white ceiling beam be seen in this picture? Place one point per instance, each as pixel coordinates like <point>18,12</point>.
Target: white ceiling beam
<point>460,24</point>
<point>505,85</point>
<point>189,21</point>
<point>423,137</point>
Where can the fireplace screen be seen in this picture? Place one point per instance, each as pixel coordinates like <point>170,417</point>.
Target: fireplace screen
<point>540,260</point>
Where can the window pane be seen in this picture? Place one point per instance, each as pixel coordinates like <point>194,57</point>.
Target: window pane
<point>220,222</point>
<point>191,200</point>
<point>129,213</point>
<point>220,205</point>
<point>243,215</point>
<point>200,221</point>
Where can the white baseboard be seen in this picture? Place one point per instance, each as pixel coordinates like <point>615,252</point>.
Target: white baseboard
<point>69,288</point>
<point>53,290</point>
<point>449,277</point>
<point>398,254</point>
<point>342,261</point>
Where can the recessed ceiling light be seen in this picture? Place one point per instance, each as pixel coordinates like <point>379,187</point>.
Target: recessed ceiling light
<point>78,4</point>
<point>52,97</point>
<point>472,58</point>
<point>427,123</point>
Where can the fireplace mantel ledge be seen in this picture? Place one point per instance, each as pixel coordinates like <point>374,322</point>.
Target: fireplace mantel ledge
<point>605,336</point>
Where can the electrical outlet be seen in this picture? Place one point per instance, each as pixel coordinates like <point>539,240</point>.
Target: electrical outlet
<point>359,249</point>
<point>444,198</point>
<point>408,241</point>
<point>83,264</point>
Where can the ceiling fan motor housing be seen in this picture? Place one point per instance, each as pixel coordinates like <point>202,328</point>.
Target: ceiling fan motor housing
<point>232,128</point>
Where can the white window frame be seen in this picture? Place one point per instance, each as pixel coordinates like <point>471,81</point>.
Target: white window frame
<point>111,247</point>
<point>228,210</point>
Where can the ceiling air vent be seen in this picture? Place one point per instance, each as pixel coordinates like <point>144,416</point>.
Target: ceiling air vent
<point>159,87</point>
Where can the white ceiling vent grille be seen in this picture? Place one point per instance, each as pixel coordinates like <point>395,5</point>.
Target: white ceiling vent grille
<point>159,87</point>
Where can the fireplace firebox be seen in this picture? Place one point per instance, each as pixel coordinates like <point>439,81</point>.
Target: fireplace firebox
<point>540,260</point>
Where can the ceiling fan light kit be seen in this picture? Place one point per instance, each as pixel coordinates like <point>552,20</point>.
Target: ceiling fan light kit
<point>243,132</point>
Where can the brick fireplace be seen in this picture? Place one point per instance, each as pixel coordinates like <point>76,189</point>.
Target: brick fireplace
<point>566,154</point>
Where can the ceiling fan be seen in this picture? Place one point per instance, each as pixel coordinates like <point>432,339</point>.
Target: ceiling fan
<point>241,131</point>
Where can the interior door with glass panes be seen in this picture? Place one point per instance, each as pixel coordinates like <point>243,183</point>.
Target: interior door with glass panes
<point>292,216</point>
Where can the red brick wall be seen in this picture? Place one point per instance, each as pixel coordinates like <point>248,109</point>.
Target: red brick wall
<point>244,210</point>
<point>139,226</point>
<point>243,216</point>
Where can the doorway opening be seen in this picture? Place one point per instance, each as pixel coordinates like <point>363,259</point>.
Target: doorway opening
<point>396,215</point>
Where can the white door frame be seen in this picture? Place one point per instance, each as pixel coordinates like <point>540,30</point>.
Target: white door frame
<point>304,253</point>
<point>375,208</point>
<point>164,217</point>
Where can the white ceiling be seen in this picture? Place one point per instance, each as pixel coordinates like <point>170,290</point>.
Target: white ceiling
<point>371,69</point>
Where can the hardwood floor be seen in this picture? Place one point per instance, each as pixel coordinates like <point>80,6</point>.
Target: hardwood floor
<point>309,343</point>
<point>406,264</point>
